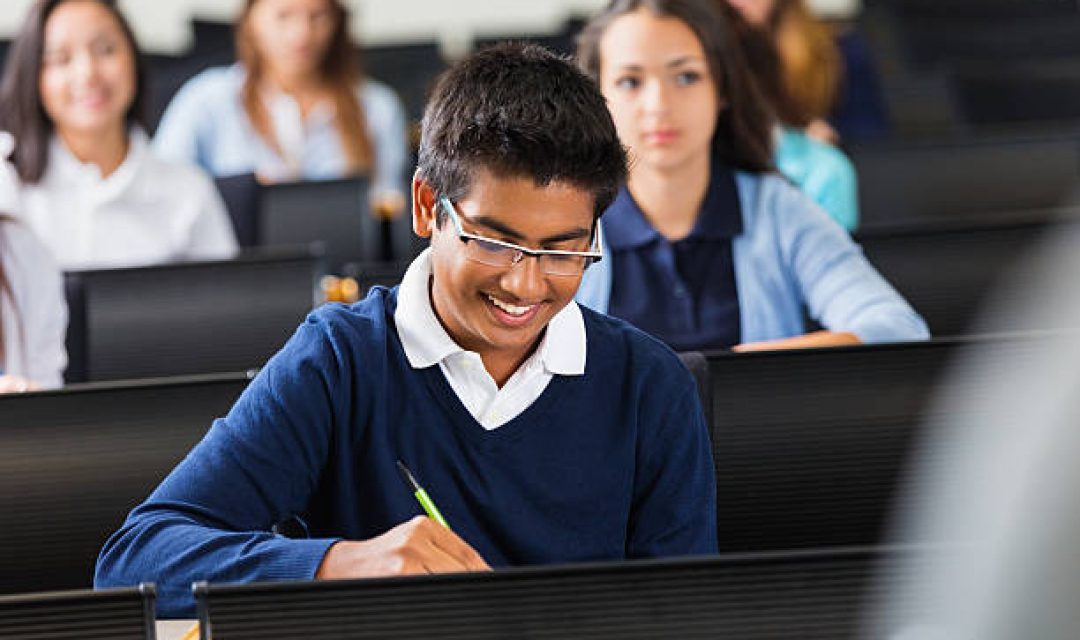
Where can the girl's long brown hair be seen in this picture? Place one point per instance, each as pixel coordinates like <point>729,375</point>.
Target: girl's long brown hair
<point>810,62</point>
<point>340,72</point>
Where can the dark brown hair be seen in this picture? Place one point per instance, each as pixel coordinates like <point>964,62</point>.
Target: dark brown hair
<point>340,70</point>
<point>21,111</point>
<point>520,111</point>
<point>809,65</point>
<point>743,137</point>
<point>762,55</point>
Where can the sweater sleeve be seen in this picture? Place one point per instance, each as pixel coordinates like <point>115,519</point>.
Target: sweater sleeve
<point>842,290</point>
<point>674,510</point>
<point>211,518</point>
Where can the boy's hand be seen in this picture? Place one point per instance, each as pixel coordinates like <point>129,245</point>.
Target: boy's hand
<point>418,546</point>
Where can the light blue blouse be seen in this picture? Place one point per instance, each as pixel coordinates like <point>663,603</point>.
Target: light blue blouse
<point>791,255</point>
<point>206,124</point>
<point>822,171</point>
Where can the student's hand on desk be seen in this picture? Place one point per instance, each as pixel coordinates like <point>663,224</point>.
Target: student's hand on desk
<point>420,545</point>
<point>16,384</point>
<point>807,341</point>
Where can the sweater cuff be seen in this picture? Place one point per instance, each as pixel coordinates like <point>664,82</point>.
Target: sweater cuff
<point>299,559</point>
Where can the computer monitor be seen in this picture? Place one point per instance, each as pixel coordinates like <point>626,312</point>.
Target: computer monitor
<point>74,462</point>
<point>333,213</point>
<point>186,318</point>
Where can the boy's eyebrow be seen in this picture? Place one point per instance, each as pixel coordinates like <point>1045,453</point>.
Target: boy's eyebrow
<point>498,227</point>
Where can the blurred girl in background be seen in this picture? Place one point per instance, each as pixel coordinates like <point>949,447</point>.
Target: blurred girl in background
<point>800,94</point>
<point>827,73</point>
<point>295,106</point>
<point>707,247</point>
<point>33,314</point>
<point>88,184</point>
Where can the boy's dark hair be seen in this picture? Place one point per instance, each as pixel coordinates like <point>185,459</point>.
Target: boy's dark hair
<point>21,110</point>
<point>520,111</point>
<point>743,137</point>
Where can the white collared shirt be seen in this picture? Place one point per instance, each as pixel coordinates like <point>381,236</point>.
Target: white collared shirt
<point>206,123</point>
<point>561,352</point>
<point>33,313</point>
<point>148,211</point>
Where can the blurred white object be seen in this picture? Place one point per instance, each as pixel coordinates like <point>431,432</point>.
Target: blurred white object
<point>1002,478</point>
<point>835,9</point>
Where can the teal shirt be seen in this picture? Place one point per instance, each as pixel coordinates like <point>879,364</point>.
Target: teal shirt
<point>822,171</point>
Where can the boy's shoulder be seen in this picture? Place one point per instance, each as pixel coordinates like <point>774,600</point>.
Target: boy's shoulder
<point>615,342</point>
<point>367,320</point>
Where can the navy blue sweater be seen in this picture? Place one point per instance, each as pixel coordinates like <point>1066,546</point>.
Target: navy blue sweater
<point>612,464</point>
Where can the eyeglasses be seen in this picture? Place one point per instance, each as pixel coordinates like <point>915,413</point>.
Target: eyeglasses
<point>496,253</point>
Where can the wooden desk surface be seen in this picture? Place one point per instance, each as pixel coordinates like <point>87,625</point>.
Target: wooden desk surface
<point>177,630</point>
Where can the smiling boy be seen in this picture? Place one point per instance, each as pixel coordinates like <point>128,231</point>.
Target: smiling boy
<point>544,432</point>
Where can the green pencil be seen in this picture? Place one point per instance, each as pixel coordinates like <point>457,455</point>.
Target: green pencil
<point>421,496</point>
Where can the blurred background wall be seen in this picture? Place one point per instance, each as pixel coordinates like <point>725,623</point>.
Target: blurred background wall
<point>163,26</point>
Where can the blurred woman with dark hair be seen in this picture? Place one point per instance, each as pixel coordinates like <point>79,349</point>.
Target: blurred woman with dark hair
<point>88,184</point>
<point>33,315</point>
<point>295,106</point>
<point>831,86</point>
<point>800,98</point>
<point>707,247</point>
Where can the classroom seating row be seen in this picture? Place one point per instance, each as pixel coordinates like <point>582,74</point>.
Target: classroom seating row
<point>959,66</point>
<point>194,317</point>
<point>967,179</point>
<point>212,317</point>
<point>820,594</point>
<point>822,468</point>
<point>335,214</point>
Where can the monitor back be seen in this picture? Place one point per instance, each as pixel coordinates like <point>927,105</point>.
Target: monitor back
<point>74,462</point>
<point>199,317</point>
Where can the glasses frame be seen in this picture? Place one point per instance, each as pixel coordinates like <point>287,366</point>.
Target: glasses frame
<point>595,254</point>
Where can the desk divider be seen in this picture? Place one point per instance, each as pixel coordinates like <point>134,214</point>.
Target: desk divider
<point>117,614</point>
<point>806,595</point>
<point>812,447</point>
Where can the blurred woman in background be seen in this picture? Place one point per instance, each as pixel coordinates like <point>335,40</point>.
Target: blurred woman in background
<point>707,247</point>
<point>33,314</point>
<point>88,184</point>
<point>829,77</point>
<point>799,94</point>
<point>295,106</point>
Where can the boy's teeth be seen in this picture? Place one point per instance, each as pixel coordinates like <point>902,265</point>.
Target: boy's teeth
<point>509,308</point>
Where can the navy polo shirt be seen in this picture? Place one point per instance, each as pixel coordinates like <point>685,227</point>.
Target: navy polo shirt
<point>682,292</point>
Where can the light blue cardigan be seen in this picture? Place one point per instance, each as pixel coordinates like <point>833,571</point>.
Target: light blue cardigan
<point>791,253</point>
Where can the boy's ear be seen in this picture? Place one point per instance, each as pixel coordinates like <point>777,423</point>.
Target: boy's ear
<point>424,205</point>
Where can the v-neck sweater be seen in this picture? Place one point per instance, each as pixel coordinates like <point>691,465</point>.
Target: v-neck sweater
<point>611,464</point>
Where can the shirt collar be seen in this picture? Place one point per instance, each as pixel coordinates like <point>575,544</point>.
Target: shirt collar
<point>720,217</point>
<point>561,351</point>
<point>64,165</point>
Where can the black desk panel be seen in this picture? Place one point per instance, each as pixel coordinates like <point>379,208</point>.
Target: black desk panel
<point>74,462</point>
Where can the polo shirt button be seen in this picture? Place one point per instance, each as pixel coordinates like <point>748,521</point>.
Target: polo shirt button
<point>680,292</point>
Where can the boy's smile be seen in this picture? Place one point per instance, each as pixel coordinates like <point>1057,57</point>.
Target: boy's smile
<point>501,312</point>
